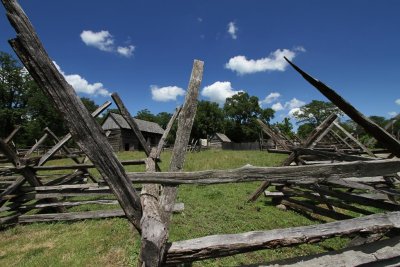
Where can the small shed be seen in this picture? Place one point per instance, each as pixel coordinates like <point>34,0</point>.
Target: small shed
<point>122,137</point>
<point>217,140</point>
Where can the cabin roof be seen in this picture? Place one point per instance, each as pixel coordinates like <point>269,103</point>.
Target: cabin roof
<point>223,137</point>
<point>144,126</point>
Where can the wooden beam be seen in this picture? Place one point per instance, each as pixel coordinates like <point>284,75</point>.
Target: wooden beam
<point>28,174</point>
<point>12,134</point>
<point>86,131</point>
<point>131,122</point>
<point>185,123</point>
<point>379,253</point>
<point>364,148</point>
<point>342,139</point>
<point>226,245</point>
<point>272,135</point>
<point>36,146</point>
<point>293,174</point>
<point>319,131</point>
<point>166,132</point>
<point>371,127</point>
<point>331,155</point>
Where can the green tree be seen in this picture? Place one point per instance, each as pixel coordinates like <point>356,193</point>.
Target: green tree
<point>286,127</point>
<point>304,130</point>
<point>208,121</point>
<point>163,118</point>
<point>316,112</point>
<point>146,115</point>
<point>13,96</point>
<point>241,110</point>
<point>89,104</point>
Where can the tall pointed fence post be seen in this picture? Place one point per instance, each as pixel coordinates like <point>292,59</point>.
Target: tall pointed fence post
<point>86,132</point>
<point>371,127</point>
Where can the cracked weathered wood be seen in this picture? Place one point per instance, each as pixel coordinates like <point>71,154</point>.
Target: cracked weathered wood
<point>319,132</point>
<point>166,132</point>
<point>293,174</point>
<point>86,132</point>
<point>185,123</point>
<point>154,233</point>
<point>231,244</point>
<point>379,253</point>
<point>371,127</point>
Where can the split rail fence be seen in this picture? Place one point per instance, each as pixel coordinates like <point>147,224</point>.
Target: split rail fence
<point>149,210</point>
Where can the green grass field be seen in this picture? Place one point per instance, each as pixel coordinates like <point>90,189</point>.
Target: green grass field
<point>209,210</point>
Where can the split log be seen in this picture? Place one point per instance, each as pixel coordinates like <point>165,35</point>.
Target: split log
<point>75,216</point>
<point>330,155</point>
<point>295,174</point>
<point>371,127</point>
<point>364,148</point>
<point>12,134</point>
<point>185,123</point>
<point>36,146</point>
<point>318,132</point>
<point>303,207</point>
<point>86,131</point>
<point>166,132</point>
<point>232,244</point>
<point>381,253</point>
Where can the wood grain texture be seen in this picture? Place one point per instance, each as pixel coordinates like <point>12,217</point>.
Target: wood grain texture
<point>231,244</point>
<point>166,132</point>
<point>294,174</point>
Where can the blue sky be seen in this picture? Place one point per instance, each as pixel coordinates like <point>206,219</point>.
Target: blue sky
<point>144,50</point>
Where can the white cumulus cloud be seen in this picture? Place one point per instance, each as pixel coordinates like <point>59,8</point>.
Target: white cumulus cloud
<point>102,40</point>
<point>270,98</point>
<point>277,106</point>
<point>294,103</point>
<point>397,101</point>
<point>126,51</point>
<point>232,30</point>
<point>167,93</point>
<point>219,91</point>
<point>274,62</point>
<point>81,85</point>
<point>294,110</point>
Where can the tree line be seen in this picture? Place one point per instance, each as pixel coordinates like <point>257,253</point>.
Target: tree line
<point>23,103</point>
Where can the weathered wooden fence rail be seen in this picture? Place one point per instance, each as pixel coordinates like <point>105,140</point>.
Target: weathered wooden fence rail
<point>150,210</point>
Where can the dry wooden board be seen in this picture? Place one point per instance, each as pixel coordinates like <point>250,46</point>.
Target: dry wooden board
<point>224,245</point>
<point>311,173</point>
<point>382,253</point>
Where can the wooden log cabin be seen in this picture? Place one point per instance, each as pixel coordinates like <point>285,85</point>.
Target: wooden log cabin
<point>122,137</point>
<point>217,140</point>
